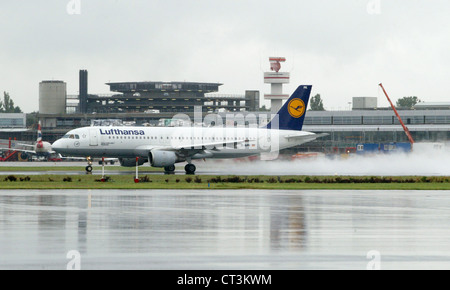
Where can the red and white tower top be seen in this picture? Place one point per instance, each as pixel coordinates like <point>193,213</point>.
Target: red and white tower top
<point>276,79</point>
<point>275,63</point>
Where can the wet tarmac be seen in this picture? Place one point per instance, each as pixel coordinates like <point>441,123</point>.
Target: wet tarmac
<point>224,229</point>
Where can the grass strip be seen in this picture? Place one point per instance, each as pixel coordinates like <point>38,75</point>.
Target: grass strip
<point>171,181</point>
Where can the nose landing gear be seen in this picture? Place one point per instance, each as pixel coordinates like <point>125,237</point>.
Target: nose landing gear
<point>89,166</point>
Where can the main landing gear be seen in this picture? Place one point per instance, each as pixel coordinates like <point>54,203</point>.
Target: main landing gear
<point>169,169</point>
<point>189,168</point>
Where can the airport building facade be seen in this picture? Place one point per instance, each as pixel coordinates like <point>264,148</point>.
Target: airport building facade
<point>13,120</point>
<point>162,97</point>
<point>348,128</point>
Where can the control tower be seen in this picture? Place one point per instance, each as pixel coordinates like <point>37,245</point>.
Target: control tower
<point>276,79</point>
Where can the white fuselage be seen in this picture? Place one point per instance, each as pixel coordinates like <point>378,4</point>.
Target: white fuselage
<point>42,147</point>
<point>211,142</point>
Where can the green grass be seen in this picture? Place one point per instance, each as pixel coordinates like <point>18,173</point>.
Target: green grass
<point>85,181</point>
<point>74,168</point>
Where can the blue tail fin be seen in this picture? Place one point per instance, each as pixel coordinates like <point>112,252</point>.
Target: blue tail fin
<point>292,114</point>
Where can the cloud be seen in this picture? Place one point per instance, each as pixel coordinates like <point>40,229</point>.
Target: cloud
<point>335,45</point>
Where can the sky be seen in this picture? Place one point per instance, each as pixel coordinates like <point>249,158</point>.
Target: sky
<point>344,48</point>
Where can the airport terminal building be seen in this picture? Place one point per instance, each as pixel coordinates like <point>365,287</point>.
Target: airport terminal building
<point>348,128</point>
<point>159,97</point>
<point>169,97</point>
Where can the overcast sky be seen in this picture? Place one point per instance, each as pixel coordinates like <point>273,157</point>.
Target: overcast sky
<point>343,48</point>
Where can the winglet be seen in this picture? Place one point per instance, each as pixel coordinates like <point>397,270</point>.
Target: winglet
<point>292,113</point>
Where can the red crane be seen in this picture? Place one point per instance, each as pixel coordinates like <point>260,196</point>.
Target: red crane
<point>411,140</point>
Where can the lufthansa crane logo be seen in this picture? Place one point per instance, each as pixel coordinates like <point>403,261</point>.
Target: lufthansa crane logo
<point>296,108</point>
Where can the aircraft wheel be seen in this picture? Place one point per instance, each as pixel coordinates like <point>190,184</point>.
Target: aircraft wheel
<point>190,168</point>
<point>88,168</point>
<point>170,168</point>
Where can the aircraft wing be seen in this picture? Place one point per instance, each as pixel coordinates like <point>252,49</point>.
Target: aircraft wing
<point>186,149</point>
<point>21,150</point>
<point>26,151</point>
<point>207,146</point>
<point>25,145</point>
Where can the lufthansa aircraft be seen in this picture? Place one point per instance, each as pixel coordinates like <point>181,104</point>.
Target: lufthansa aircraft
<point>165,146</point>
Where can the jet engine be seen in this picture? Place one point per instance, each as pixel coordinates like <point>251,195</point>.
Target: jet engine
<point>131,162</point>
<point>23,156</point>
<point>163,158</point>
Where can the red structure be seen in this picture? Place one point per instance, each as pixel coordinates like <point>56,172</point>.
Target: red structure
<point>9,155</point>
<point>411,140</point>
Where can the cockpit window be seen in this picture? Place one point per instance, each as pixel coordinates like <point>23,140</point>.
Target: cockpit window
<point>71,136</point>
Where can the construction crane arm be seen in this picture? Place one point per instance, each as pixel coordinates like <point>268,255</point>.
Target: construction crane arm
<point>408,134</point>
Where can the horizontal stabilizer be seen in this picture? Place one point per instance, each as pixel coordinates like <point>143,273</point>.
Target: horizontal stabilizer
<point>308,137</point>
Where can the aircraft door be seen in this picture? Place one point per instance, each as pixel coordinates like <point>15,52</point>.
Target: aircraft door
<point>93,137</point>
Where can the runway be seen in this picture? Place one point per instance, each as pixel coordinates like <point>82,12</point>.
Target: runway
<point>434,163</point>
<point>224,229</point>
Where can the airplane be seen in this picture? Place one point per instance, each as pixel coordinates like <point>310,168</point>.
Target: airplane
<point>165,146</point>
<point>40,148</point>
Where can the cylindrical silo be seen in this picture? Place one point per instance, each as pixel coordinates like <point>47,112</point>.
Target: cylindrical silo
<point>52,97</point>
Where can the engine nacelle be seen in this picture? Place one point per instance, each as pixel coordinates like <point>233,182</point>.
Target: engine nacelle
<point>162,158</point>
<point>23,155</point>
<point>131,162</point>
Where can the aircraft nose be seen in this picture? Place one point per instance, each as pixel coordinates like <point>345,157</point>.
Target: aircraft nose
<point>57,145</point>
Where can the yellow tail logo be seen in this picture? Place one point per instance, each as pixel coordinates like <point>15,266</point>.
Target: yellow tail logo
<point>296,108</point>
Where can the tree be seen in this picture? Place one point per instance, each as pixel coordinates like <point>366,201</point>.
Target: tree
<point>264,109</point>
<point>407,102</point>
<point>32,119</point>
<point>316,103</point>
<point>7,106</point>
